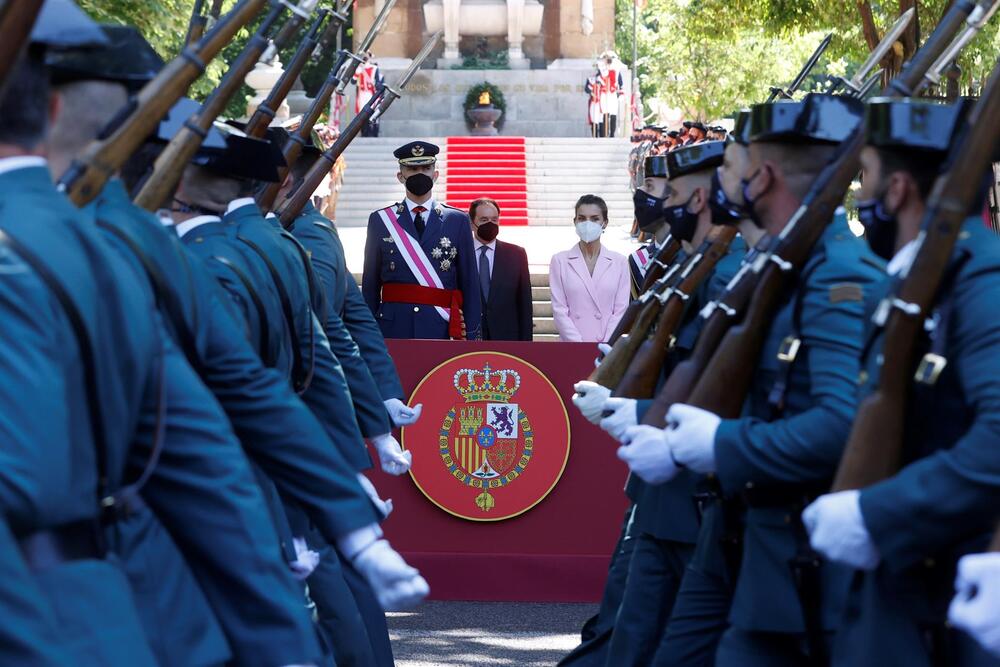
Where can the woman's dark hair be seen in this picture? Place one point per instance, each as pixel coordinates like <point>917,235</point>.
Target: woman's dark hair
<point>592,199</point>
<point>482,200</point>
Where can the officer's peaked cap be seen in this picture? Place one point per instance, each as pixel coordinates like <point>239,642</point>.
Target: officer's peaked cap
<point>816,119</point>
<point>694,158</point>
<point>913,124</point>
<point>417,153</point>
<point>127,58</point>
<point>63,25</point>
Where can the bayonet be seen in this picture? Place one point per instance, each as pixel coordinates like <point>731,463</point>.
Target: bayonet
<point>300,14</point>
<point>898,28</point>
<point>977,19</point>
<point>350,65</point>
<point>803,73</point>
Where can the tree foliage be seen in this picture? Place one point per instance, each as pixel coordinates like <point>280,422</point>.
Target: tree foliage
<point>710,57</point>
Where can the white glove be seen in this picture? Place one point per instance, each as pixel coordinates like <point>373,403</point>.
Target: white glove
<point>976,606</point>
<point>837,530</point>
<point>589,399</point>
<point>391,456</point>
<point>602,351</point>
<point>691,436</point>
<point>623,415</point>
<point>306,559</point>
<point>647,454</point>
<point>402,414</point>
<point>397,585</point>
<point>384,507</point>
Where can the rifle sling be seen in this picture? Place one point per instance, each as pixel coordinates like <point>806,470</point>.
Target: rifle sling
<point>298,372</point>
<point>266,353</point>
<point>314,300</point>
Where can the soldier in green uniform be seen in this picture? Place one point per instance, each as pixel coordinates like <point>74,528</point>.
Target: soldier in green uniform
<point>904,536</point>
<point>787,445</point>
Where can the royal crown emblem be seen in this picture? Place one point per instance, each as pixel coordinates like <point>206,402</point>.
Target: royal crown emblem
<point>486,442</point>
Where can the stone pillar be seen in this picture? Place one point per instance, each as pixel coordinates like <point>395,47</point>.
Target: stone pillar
<point>451,11</point>
<point>515,35</point>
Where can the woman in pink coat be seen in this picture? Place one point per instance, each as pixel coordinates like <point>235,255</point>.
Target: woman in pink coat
<point>590,284</point>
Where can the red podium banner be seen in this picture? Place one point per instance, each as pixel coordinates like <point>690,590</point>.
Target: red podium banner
<point>513,495</point>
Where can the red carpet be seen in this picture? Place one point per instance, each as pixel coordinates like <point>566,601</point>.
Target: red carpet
<point>493,167</point>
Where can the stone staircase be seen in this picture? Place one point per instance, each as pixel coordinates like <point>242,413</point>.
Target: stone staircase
<point>541,306</point>
<point>559,170</point>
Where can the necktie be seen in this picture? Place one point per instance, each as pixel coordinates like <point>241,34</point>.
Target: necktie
<point>418,219</point>
<point>484,272</point>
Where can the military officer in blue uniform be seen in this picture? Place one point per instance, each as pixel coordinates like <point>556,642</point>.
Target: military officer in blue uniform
<point>904,536</point>
<point>420,278</point>
<point>787,445</point>
<point>84,332</point>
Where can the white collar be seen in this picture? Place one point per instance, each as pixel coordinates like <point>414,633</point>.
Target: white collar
<point>492,245</point>
<point>237,204</point>
<point>186,226</point>
<point>902,260</point>
<point>429,205</point>
<point>21,162</point>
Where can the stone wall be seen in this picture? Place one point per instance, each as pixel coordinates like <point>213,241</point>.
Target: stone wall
<point>540,103</point>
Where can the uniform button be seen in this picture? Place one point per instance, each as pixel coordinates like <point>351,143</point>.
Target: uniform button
<point>862,377</point>
<point>416,309</point>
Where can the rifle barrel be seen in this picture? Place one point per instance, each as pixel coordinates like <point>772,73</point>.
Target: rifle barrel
<point>352,61</point>
<point>169,166</point>
<point>102,159</point>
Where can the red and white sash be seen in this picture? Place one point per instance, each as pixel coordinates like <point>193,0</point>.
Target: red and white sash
<point>641,257</point>
<point>413,255</point>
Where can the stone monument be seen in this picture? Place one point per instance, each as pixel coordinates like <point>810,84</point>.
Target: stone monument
<point>550,48</point>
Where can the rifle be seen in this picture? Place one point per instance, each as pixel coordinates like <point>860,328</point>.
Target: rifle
<point>725,381</point>
<point>257,125</point>
<point>293,146</point>
<point>350,65</point>
<point>640,378</point>
<point>169,165</point>
<point>875,447</point>
<point>716,314</point>
<point>777,91</point>
<point>103,158</point>
<point>196,24</point>
<point>974,23</point>
<point>17,17</point>
<point>856,82</point>
<point>300,14</point>
<point>376,106</point>
<point>662,264</point>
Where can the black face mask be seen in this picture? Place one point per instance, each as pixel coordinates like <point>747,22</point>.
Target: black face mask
<point>724,210</point>
<point>749,204</point>
<point>488,231</point>
<point>419,184</point>
<point>880,227</point>
<point>648,210</point>
<point>682,221</point>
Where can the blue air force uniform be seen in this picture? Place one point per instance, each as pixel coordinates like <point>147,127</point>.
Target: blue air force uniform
<point>786,448</point>
<point>446,240</point>
<point>943,503</point>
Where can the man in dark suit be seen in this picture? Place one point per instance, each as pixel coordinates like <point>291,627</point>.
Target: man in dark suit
<point>504,282</point>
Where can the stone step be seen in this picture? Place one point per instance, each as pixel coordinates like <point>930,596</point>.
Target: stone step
<point>545,338</point>
<point>540,309</point>
<point>540,293</point>
<point>545,325</point>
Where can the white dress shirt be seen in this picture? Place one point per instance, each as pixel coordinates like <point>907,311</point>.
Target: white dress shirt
<point>491,250</point>
<point>186,226</point>
<point>237,204</point>
<point>428,205</point>
<point>21,162</point>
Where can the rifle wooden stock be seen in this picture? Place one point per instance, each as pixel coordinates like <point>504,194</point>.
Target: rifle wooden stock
<point>196,25</point>
<point>170,164</point>
<point>682,379</point>
<point>661,262</point>
<point>265,111</point>
<point>644,371</point>
<point>103,158</point>
<point>875,447</point>
<point>293,146</point>
<point>616,362</point>
<point>726,380</point>
<point>17,18</point>
<point>296,201</point>
<point>632,311</point>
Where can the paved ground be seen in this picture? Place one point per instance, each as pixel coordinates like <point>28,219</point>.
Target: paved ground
<point>486,633</point>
